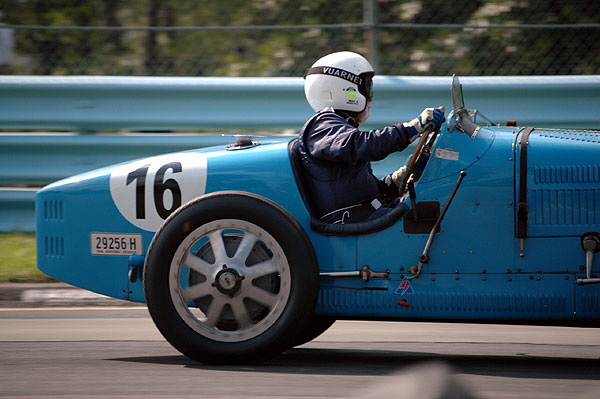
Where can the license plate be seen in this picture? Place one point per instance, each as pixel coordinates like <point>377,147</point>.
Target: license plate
<point>116,244</point>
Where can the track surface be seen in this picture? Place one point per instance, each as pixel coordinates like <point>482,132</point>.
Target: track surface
<point>118,353</point>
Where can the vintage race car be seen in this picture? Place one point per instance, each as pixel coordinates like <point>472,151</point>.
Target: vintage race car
<point>502,226</point>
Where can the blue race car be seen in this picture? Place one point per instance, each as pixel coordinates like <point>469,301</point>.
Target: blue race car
<point>220,243</point>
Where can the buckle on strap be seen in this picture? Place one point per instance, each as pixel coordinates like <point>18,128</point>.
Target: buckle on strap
<point>376,204</point>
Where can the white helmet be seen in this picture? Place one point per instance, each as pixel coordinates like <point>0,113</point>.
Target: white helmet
<point>343,81</point>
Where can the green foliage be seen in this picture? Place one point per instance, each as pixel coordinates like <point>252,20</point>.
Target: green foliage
<point>223,48</point>
<point>17,258</point>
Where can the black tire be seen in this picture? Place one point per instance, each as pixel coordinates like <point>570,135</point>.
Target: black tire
<point>231,278</point>
<point>317,326</point>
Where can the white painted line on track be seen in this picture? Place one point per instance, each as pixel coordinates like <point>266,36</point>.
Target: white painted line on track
<point>72,308</point>
<point>60,295</point>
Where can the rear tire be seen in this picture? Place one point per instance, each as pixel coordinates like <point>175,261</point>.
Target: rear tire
<point>231,278</point>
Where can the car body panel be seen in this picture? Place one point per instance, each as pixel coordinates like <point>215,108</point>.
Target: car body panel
<point>478,269</point>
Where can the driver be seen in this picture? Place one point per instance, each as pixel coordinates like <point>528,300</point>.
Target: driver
<point>336,155</point>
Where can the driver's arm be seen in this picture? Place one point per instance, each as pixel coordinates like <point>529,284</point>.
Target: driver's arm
<point>336,141</point>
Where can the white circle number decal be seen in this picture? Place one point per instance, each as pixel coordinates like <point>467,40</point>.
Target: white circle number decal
<point>147,191</point>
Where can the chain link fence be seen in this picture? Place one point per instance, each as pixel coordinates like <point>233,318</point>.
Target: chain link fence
<point>284,37</point>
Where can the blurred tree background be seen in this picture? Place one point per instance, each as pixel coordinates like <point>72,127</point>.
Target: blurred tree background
<point>284,37</point>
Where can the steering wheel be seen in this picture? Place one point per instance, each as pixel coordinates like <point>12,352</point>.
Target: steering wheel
<point>412,160</point>
<point>420,146</point>
<point>419,149</point>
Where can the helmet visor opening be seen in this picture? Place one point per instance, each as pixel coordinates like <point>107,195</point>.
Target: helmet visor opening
<point>366,84</point>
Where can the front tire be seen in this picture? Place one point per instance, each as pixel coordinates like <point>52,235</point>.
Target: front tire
<point>231,278</point>
<point>317,326</point>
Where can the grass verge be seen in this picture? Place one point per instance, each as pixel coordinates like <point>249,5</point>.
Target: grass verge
<point>17,258</point>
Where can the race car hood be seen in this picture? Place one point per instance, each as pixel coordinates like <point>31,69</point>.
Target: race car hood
<point>561,177</point>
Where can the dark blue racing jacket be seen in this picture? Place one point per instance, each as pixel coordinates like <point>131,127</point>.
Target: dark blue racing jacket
<point>336,157</point>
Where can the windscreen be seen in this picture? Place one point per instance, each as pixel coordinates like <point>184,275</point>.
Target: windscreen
<point>458,101</point>
<point>464,122</point>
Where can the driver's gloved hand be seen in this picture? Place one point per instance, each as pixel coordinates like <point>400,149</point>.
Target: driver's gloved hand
<point>417,125</point>
<point>400,176</point>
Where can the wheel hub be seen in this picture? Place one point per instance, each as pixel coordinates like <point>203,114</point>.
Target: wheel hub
<point>228,281</point>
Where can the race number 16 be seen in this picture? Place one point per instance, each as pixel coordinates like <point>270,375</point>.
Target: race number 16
<point>160,187</point>
<point>146,192</point>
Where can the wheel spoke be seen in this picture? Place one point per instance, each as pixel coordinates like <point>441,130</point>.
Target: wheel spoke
<point>244,249</point>
<point>265,268</point>
<point>240,313</point>
<point>214,311</point>
<point>218,246</point>
<point>197,291</point>
<point>197,264</point>
<point>261,296</point>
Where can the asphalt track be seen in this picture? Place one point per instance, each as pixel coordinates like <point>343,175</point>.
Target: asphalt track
<point>116,352</point>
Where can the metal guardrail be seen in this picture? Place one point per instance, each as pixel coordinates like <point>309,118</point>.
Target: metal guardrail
<point>95,103</point>
<point>41,158</point>
<point>17,209</point>
<point>99,103</point>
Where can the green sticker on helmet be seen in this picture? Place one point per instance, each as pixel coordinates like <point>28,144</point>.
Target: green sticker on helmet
<point>351,93</point>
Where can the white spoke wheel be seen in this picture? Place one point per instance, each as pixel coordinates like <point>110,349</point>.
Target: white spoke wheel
<point>231,277</point>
